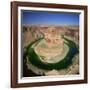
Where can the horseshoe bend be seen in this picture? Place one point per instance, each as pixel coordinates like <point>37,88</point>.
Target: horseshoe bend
<point>51,52</point>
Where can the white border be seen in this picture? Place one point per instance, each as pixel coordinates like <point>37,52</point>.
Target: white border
<point>52,78</point>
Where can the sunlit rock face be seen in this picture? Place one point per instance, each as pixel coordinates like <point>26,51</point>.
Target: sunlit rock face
<point>51,46</point>
<point>53,38</point>
<point>52,72</point>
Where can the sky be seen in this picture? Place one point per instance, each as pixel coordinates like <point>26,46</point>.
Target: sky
<point>49,18</point>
